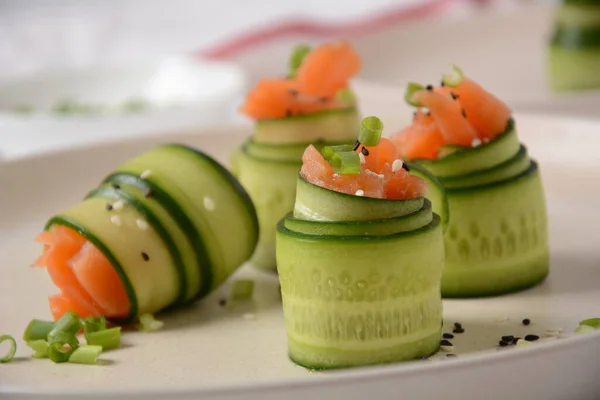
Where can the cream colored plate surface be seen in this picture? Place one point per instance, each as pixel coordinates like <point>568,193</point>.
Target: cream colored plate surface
<point>211,352</point>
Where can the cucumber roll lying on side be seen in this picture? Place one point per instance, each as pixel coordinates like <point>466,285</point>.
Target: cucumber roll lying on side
<point>497,238</point>
<point>312,105</point>
<point>165,228</point>
<point>360,258</point>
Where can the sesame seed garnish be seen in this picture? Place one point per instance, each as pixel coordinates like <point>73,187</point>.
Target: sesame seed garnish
<point>356,145</point>
<point>116,186</point>
<point>445,342</point>
<point>502,319</point>
<point>209,203</point>
<point>249,316</point>
<point>143,225</point>
<point>450,355</point>
<point>397,165</point>
<point>531,338</point>
<point>109,207</point>
<point>429,87</point>
<point>360,192</point>
<point>115,220</point>
<point>458,330</point>
<point>551,333</point>
<point>516,339</point>
<point>323,99</point>
<point>148,193</point>
<point>454,95</point>
<point>222,302</point>
<point>293,92</point>
<point>522,342</point>
<point>476,142</point>
<point>508,338</point>
<point>446,346</point>
<point>118,205</point>
<point>145,256</point>
<point>146,174</point>
<point>405,167</point>
<point>464,113</point>
<point>448,336</point>
<point>526,321</point>
<point>458,325</point>
<point>365,151</point>
<point>362,158</point>
<point>503,343</point>
<point>442,84</point>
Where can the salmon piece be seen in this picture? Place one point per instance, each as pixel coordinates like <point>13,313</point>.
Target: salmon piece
<point>421,140</point>
<point>448,116</point>
<point>60,304</point>
<point>271,98</point>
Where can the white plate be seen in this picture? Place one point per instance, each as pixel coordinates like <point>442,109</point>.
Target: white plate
<point>209,352</point>
<point>178,92</point>
<point>503,48</point>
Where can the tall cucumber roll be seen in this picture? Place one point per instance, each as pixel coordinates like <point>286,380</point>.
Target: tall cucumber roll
<point>312,105</point>
<point>360,258</point>
<point>165,228</point>
<point>574,47</point>
<point>497,237</point>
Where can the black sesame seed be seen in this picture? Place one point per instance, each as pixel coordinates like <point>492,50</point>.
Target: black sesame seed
<point>116,186</point>
<point>293,92</point>
<point>458,325</point>
<point>445,342</point>
<point>428,113</point>
<point>515,340</point>
<point>503,343</point>
<point>442,84</point>
<point>324,99</point>
<point>148,193</point>
<point>508,338</point>
<point>526,321</point>
<point>448,336</point>
<point>454,95</point>
<point>222,302</point>
<point>407,169</point>
<point>429,87</point>
<point>531,338</point>
<point>145,256</point>
<point>109,207</point>
<point>364,151</point>
<point>458,330</point>
<point>464,113</point>
<point>450,355</point>
<point>356,145</point>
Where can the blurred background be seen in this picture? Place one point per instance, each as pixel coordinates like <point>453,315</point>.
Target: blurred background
<point>77,72</point>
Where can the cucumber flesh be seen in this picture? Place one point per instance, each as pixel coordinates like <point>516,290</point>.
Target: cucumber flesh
<point>436,193</point>
<point>320,204</point>
<point>361,300</point>
<point>332,126</point>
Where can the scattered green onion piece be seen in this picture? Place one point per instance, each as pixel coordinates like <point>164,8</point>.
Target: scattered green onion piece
<point>37,329</point>
<point>346,162</point>
<point>329,151</point>
<point>108,339</point>
<point>61,346</point>
<point>94,324</point>
<point>297,57</point>
<point>593,322</point>
<point>454,78</point>
<point>346,96</point>
<point>411,89</point>
<point>242,289</point>
<point>370,131</point>
<point>584,329</point>
<point>11,350</point>
<point>69,324</point>
<point>40,348</point>
<point>148,323</point>
<point>87,354</point>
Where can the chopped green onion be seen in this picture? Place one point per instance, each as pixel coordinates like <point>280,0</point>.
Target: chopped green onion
<point>411,89</point>
<point>346,96</point>
<point>370,131</point>
<point>10,354</point>
<point>86,354</point>
<point>454,78</point>
<point>593,322</point>
<point>108,339</point>
<point>61,346</point>
<point>148,323</point>
<point>40,348</point>
<point>94,324</point>
<point>242,289</point>
<point>37,329</point>
<point>297,57</point>
<point>69,324</point>
<point>329,151</point>
<point>346,162</point>
<point>584,329</point>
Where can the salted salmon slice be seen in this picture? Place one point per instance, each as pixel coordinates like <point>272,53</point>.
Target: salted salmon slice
<point>323,73</point>
<point>421,140</point>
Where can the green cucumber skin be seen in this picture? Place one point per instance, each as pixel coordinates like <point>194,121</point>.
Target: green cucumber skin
<point>333,125</point>
<point>485,156</point>
<point>581,14</point>
<point>285,152</point>
<point>272,188</point>
<point>497,240</point>
<point>573,69</point>
<point>361,300</point>
<point>317,203</point>
<point>388,226</point>
<point>436,193</point>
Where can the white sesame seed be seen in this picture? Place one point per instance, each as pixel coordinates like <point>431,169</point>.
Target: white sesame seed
<point>360,192</point>
<point>447,348</point>
<point>552,333</point>
<point>117,205</point>
<point>369,172</point>
<point>115,220</point>
<point>249,316</point>
<point>362,158</point>
<point>397,165</point>
<point>143,225</point>
<point>502,319</point>
<point>476,142</point>
<point>209,204</point>
<point>523,342</point>
<point>146,174</point>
